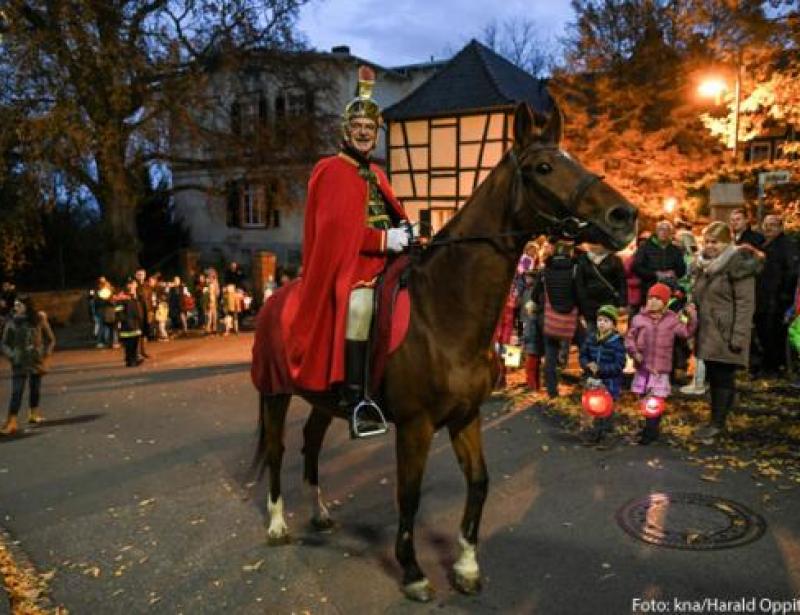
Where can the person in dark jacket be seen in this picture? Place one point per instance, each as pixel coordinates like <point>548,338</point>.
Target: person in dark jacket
<point>599,280</point>
<point>556,285</point>
<point>603,357</point>
<point>774,293</point>
<point>658,259</point>
<point>743,234</point>
<point>27,341</point>
<point>131,321</point>
<point>144,294</point>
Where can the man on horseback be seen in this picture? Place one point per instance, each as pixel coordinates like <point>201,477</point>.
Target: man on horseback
<point>353,221</point>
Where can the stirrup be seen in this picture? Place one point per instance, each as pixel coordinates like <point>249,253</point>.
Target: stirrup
<point>359,427</point>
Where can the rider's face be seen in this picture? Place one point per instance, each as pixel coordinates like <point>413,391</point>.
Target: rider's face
<point>363,134</point>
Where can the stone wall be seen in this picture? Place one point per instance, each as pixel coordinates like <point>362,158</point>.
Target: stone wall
<point>63,307</point>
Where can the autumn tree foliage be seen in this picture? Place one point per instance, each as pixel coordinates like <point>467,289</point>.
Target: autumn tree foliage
<point>95,86</point>
<point>628,88</point>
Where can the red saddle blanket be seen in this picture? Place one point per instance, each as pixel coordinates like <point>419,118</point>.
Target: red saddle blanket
<point>270,370</point>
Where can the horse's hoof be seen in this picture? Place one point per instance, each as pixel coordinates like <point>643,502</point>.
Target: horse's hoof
<point>323,525</point>
<point>469,585</point>
<point>419,591</point>
<point>277,540</point>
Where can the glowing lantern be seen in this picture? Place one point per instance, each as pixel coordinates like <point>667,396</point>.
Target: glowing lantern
<point>597,402</point>
<point>653,407</point>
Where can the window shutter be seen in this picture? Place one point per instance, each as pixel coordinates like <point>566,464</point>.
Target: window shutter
<point>232,205</point>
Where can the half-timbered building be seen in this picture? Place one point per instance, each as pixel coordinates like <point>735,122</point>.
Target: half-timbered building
<point>445,137</point>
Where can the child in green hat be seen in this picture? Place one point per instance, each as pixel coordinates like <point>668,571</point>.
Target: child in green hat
<point>602,357</point>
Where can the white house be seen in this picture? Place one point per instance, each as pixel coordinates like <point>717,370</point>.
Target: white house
<point>232,212</point>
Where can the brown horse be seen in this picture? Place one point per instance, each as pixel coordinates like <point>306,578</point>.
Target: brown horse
<point>443,370</point>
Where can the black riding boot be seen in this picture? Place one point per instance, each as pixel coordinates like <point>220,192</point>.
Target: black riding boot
<point>369,420</point>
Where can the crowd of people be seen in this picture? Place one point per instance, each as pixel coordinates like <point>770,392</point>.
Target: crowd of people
<point>158,308</point>
<point>649,309</point>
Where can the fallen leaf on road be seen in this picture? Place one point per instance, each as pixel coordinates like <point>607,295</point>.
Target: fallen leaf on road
<point>147,502</point>
<point>711,478</point>
<point>94,571</point>
<point>253,567</point>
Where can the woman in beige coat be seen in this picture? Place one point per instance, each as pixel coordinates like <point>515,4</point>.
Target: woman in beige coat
<point>724,292</point>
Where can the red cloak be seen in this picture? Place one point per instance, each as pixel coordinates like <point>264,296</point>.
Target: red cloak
<point>340,252</point>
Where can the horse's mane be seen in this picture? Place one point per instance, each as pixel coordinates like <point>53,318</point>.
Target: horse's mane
<point>450,229</point>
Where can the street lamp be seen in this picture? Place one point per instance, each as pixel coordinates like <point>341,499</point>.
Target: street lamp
<point>670,203</point>
<point>714,87</point>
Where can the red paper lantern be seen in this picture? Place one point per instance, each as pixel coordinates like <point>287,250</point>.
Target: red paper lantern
<point>598,402</point>
<point>652,406</point>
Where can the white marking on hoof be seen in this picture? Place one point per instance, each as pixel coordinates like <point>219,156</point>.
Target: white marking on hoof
<point>466,566</point>
<point>319,512</point>
<point>421,591</point>
<point>277,530</point>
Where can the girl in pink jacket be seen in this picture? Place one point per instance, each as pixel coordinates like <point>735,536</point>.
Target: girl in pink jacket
<point>650,341</point>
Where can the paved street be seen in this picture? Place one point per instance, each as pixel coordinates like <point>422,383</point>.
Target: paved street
<point>135,495</point>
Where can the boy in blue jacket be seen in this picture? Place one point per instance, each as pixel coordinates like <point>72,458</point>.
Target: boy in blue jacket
<point>603,356</point>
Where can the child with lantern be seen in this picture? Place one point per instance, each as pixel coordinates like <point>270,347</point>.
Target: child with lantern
<point>650,341</point>
<point>602,358</point>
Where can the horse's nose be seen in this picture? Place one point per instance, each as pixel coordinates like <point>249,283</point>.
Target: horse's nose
<point>621,215</point>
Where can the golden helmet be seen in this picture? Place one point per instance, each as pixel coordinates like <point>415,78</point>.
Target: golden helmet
<point>363,105</point>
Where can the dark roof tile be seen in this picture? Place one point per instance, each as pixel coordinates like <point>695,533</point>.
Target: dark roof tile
<point>476,78</point>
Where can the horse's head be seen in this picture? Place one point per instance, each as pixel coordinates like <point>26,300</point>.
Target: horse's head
<point>556,194</point>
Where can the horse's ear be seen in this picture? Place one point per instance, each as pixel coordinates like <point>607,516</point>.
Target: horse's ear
<point>523,124</point>
<point>552,131</point>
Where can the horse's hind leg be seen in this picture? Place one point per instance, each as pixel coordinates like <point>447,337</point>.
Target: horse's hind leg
<point>413,444</point>
<point>313,434</point>
<point>466,439</point>
<point>273,409</point>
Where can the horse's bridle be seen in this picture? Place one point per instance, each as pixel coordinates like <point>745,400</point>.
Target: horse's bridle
<point>560,221</point>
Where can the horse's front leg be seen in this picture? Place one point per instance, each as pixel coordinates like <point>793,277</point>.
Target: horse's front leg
<point>313,434</point>
<point>273,419</point>
<point>413,445</point>
<point>466,439</point>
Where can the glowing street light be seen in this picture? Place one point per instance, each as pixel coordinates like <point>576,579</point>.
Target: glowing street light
<point>713,87</point>
<point>670,203</point>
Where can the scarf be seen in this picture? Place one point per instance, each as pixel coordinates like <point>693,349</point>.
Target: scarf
<point>596,257</point>
<point>713,266</point>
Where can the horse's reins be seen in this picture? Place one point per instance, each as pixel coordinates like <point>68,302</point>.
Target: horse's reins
<point>567,225</point>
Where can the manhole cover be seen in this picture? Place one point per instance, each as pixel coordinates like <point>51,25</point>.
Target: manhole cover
<point>690,521</point>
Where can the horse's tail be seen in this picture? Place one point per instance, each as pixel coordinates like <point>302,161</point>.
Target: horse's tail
<point>259,463</point>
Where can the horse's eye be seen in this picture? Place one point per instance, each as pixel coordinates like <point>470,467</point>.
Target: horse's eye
<point>543,168</point>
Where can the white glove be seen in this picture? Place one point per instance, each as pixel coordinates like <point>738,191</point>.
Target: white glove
<point>396,239</point>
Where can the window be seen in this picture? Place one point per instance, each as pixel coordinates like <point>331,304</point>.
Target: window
<point>759,152</point>
<point>249,112</point>
<point>253,206</point>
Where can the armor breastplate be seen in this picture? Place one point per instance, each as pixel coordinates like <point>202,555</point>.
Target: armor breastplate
<point>377,217</point>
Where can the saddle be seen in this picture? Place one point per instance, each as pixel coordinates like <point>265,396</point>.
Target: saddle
<point>270,371</point>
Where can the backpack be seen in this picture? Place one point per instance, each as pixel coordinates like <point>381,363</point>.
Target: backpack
<point>187,302</point>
